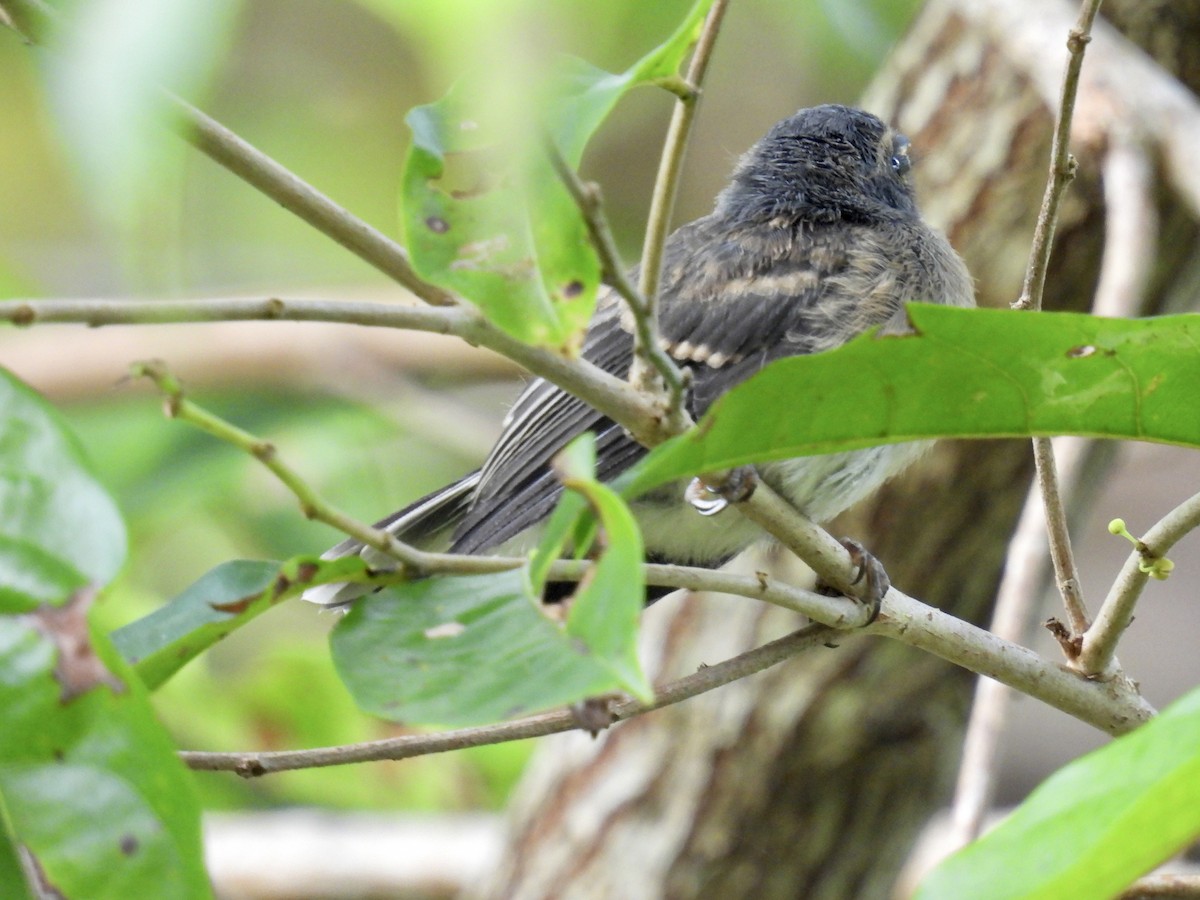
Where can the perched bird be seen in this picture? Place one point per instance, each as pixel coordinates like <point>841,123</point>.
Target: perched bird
<point>816,239</point>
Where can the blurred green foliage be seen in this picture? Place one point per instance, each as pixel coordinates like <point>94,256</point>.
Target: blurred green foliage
<point>323,87</point>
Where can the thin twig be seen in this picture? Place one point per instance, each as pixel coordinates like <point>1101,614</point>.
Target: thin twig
<point>837,612</point>
<point>702,681</point>
<point>1062,171</point>
<point>610,395</point>
<point>1114,707</point>
<point>178,406</point>
<point>1100,641</point>
<point>587,198</point>
<point>1062,163</point>
<point>297,196</point>
<point>1065,571</point>
<point>666,185</point>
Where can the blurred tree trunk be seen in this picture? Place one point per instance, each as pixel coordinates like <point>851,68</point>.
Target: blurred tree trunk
<point>814,778</point>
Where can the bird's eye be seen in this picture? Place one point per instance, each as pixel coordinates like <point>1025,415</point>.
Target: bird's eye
<point>901,162</point>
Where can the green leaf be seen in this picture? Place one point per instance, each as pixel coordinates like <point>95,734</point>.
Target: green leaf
<point>221,601</point>
<point>12,875</point>
<point>58,527</point>
<point>485,215</point>
<point>113,59</point>
<point>1095,825</point>
<point>474,223</point>
<point>605,608</point>
<point>970,373</point>
<point>89,780</point>
<point>90,785</point>
<point>461,651</point>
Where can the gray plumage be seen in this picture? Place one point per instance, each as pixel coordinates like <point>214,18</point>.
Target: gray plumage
<point>816,239</point>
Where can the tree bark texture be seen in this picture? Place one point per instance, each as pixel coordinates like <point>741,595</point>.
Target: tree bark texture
<point>814,778</point>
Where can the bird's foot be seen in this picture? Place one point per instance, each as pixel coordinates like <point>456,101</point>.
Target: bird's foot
<point>871,574</point>
<point>710,495</point>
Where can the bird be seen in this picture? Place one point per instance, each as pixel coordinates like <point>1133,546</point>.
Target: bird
<point>816,238</point>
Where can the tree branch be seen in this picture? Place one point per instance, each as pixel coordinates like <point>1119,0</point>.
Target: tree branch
<point>1062,171</point>
<point>610,395</point>
<point>706,679</point>
<point>297,196</point>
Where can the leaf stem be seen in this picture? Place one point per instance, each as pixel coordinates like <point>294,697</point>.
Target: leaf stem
<point>666,186</point>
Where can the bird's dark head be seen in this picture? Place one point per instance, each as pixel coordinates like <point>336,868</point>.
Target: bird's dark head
<point>823,164</point>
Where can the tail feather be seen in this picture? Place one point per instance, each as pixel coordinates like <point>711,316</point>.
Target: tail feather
<point>426,523</point>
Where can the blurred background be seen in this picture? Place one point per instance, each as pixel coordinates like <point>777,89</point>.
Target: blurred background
<point>374,419</point>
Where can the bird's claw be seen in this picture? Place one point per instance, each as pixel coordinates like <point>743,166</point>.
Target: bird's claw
<point>709,496</point>
<point>871,575</point>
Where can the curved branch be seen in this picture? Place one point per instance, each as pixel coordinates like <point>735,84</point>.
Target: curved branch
<point>706,679</point>
<point>1100,641</point>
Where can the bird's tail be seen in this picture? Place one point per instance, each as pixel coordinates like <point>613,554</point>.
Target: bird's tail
<point>427,523</point>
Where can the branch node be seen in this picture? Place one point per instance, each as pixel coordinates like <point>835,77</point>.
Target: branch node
<point>23,316</point>
<point>263,451</point>
<point>1070,643</point>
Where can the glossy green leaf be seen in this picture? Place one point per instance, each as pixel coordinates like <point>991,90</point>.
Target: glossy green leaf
<point>113,58</point>
<point>221,601</point>
<point>461,651</point>
<point>1095,825</point>
<point>964,373</point>
<point>484,213</point>
<point>90,782</point>
<point>58,526</point>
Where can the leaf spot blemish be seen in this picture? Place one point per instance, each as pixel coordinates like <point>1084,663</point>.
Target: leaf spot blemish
<point>572,290</point>
<point>129,845</point>
<point>437,224</point>
<point>445,630</point>
<point>1081,352</point>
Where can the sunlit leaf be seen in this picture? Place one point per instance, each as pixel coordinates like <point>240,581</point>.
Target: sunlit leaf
<point>964,373</point>
<point>485,214</point>
<point>58,527</point>
<point>1095,825</point>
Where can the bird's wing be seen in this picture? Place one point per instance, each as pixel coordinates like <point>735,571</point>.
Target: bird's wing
<point>785,291</point>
